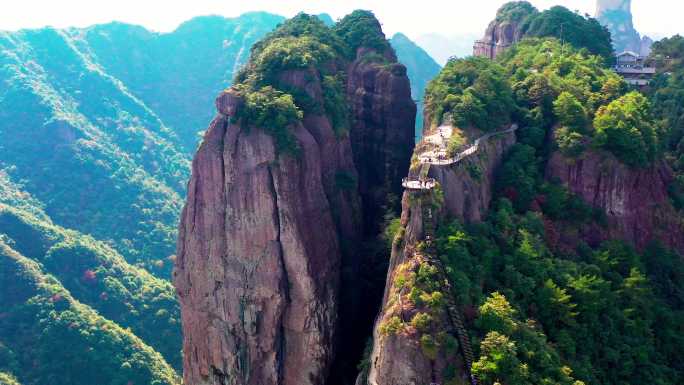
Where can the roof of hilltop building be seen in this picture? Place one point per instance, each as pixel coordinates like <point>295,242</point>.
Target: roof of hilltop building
<point>628,53</point>
<point>633,68</point>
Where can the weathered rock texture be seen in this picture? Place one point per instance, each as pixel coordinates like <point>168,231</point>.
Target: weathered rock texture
<point>263,237</point>
<point>468,186</point>
<point>635,201</point>
<point>381,105</point>
<point>616,15</point>
<point>399,359</point>
<point>501,33</point>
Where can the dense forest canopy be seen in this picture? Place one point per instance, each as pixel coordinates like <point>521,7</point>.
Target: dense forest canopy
<point>474,92</point>
<point>305,43</point>
<point>667,94</point>
<point>39,313</point>
<point>546,314</point>
<point>515,11</point>
<point>550,86</point>
<point>577,30</point>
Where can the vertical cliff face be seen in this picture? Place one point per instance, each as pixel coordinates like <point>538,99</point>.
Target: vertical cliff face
<point>265,234</point>
<point>381,105</point>
<point>258,260</point>
<point>635,201</point>
<point>468,187</point>
<point>504,30</point>
<point>403,351</point>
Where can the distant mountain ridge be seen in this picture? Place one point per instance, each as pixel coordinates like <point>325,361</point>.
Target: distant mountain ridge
<point>97,126</point>
<point>421,69</point>
<point>96,129</point>
<point>441,47</point>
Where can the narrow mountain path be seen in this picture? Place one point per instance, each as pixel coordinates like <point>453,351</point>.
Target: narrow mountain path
<point>421,182</point>
<point>440,157</point>
<point>452,309</point>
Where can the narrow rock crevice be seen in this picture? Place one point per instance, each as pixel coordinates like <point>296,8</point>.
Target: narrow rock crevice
<point>285,283</point>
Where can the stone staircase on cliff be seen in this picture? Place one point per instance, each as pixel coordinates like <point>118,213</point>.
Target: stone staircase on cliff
<point>455,316</point>
<point>420,184</point>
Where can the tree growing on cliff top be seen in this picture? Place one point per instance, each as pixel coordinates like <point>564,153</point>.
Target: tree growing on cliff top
<point>515,11</point>
<point>577,30</point>
<point>361,29</point>
<point>474,91</point>
<point>321,53</point>
<point>626,128</point>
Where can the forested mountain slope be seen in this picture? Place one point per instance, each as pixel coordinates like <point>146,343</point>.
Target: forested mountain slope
<point>574,273</point>
<point>97,126</point>
<point>48,337</point>
<point>421,69</point>
<point>124,302</point>
<point>98,123</point>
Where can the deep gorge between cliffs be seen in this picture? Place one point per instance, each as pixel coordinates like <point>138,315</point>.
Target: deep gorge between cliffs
<point>281,265</point>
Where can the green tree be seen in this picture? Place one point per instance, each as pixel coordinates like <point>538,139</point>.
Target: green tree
<point>578,31</point>
<point>361,29</point>
<point>498,362</point>
<point>626,128</point>
<point>497,314</point>
<point>274,111</point>
<point>474,92</point>
<point>570,112</point>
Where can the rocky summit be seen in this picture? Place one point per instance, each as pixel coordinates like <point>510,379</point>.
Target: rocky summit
<point>276,212</point>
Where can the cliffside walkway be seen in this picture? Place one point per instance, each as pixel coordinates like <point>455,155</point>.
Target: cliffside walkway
<point>440,157</point>
<point>419,183</point>
<point>455,316</point>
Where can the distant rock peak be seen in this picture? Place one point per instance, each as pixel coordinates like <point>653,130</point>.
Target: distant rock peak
<point>269,254</point>
<point>616,15</point>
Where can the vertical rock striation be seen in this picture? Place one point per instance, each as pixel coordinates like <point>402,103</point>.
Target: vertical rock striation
<point>265,235</point>
<point>258,260</point>
<point>381,105</point>
<point>504,30</point>
<point>635,201</point>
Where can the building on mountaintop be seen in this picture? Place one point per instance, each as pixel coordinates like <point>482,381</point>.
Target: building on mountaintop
<point>634,68</point>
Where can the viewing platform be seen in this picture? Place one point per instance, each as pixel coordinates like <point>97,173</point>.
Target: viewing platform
<point>419,184</point>
<point>441,158</point>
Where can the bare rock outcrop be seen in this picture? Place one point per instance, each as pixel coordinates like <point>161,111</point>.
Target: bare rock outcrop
<point>468,187</point>
<point>381,105</point>
<point>397,356</point>
<point>504,30</point>
<point>635,200</point>
<point>258,260</point>
<point>265,236</point>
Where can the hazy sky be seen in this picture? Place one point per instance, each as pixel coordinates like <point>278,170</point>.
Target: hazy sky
<point>415,18</point>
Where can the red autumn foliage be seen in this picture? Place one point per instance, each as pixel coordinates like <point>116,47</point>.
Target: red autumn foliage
<point>89,276</point>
